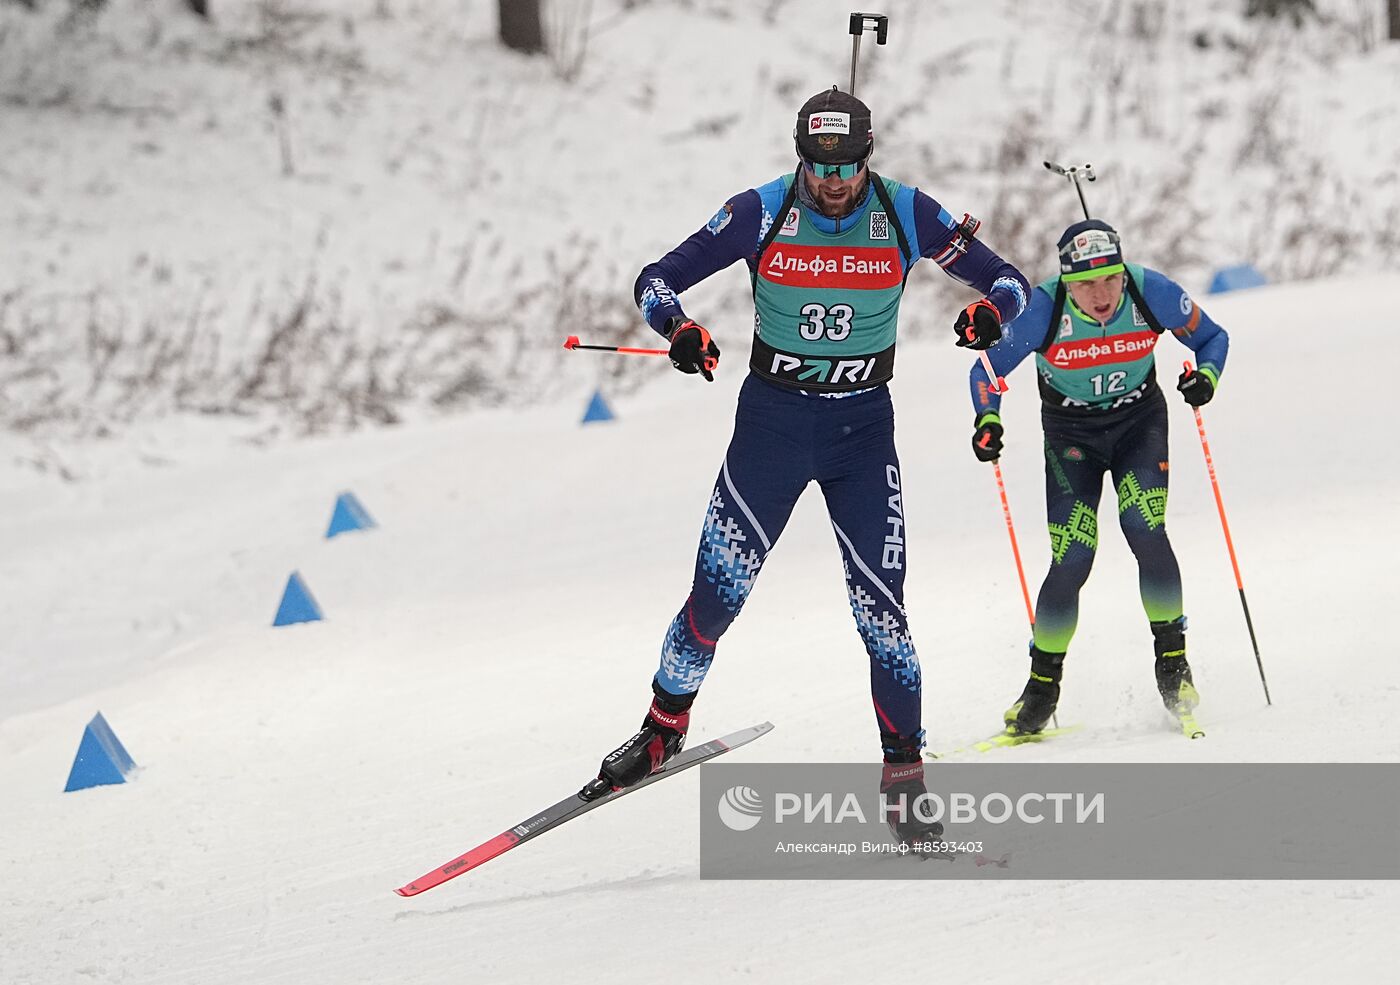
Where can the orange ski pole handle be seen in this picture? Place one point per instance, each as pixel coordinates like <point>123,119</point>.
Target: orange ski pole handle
<point>997,384</point>
<point>1229,541</point>
<point>572,343</point>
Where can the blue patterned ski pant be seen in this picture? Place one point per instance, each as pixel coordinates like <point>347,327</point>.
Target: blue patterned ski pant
<point>782,441</point>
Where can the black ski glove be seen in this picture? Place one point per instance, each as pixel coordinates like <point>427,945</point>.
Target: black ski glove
<point>1196,386</point>
<point>978,325</point>
<point>986,440</point>
<point>692,349</point>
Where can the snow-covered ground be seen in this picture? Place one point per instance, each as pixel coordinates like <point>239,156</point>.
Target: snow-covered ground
<point>497,634</point>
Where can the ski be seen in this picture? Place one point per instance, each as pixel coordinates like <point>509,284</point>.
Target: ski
<point>571,807</point>
<point>1183,716</point>
<point>1186,718</point>
<point>1006,738</point>
<point>1183,711</point>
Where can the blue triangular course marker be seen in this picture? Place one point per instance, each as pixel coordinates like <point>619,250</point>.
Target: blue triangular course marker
<point>1236,278</point>
<point>349,514</point>
<point>598,409</point>
<point>297,604</point>
<point>101,759</point>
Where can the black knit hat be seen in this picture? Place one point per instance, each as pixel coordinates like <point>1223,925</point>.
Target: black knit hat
<point>833,127</point>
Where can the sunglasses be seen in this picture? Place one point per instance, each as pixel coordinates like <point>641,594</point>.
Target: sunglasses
<point>843,171</point>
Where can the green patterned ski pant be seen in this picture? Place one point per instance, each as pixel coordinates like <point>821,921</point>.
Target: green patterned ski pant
<point>1130,444</point>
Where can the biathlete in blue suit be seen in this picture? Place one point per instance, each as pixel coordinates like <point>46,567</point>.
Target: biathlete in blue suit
<point>828,249</point>
<point>1093,330</point>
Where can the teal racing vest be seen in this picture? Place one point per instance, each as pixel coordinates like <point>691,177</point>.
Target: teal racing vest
<point>826,305</point>
<point>1087,365</point>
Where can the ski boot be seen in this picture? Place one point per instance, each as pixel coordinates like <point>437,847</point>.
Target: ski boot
<point>661,736</point>
<point>1034,708</point>
<point>901,784</point>
<point>1173,672</point>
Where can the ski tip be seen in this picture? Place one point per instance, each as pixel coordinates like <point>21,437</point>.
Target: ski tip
<point>571,342</point>
<point>745,736</point>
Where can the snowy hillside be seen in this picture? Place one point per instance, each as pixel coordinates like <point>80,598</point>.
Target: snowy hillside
<point>320,214</point>
<point>496,635</point>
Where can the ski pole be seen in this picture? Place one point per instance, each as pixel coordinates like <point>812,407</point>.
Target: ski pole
<point>1016,553</point>
<point>572,342</point>
<point>860,23</point>
<point>1015,550</point>
<point>997,384</point>
<point>1072,173</point>
<point>1229,543</point>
